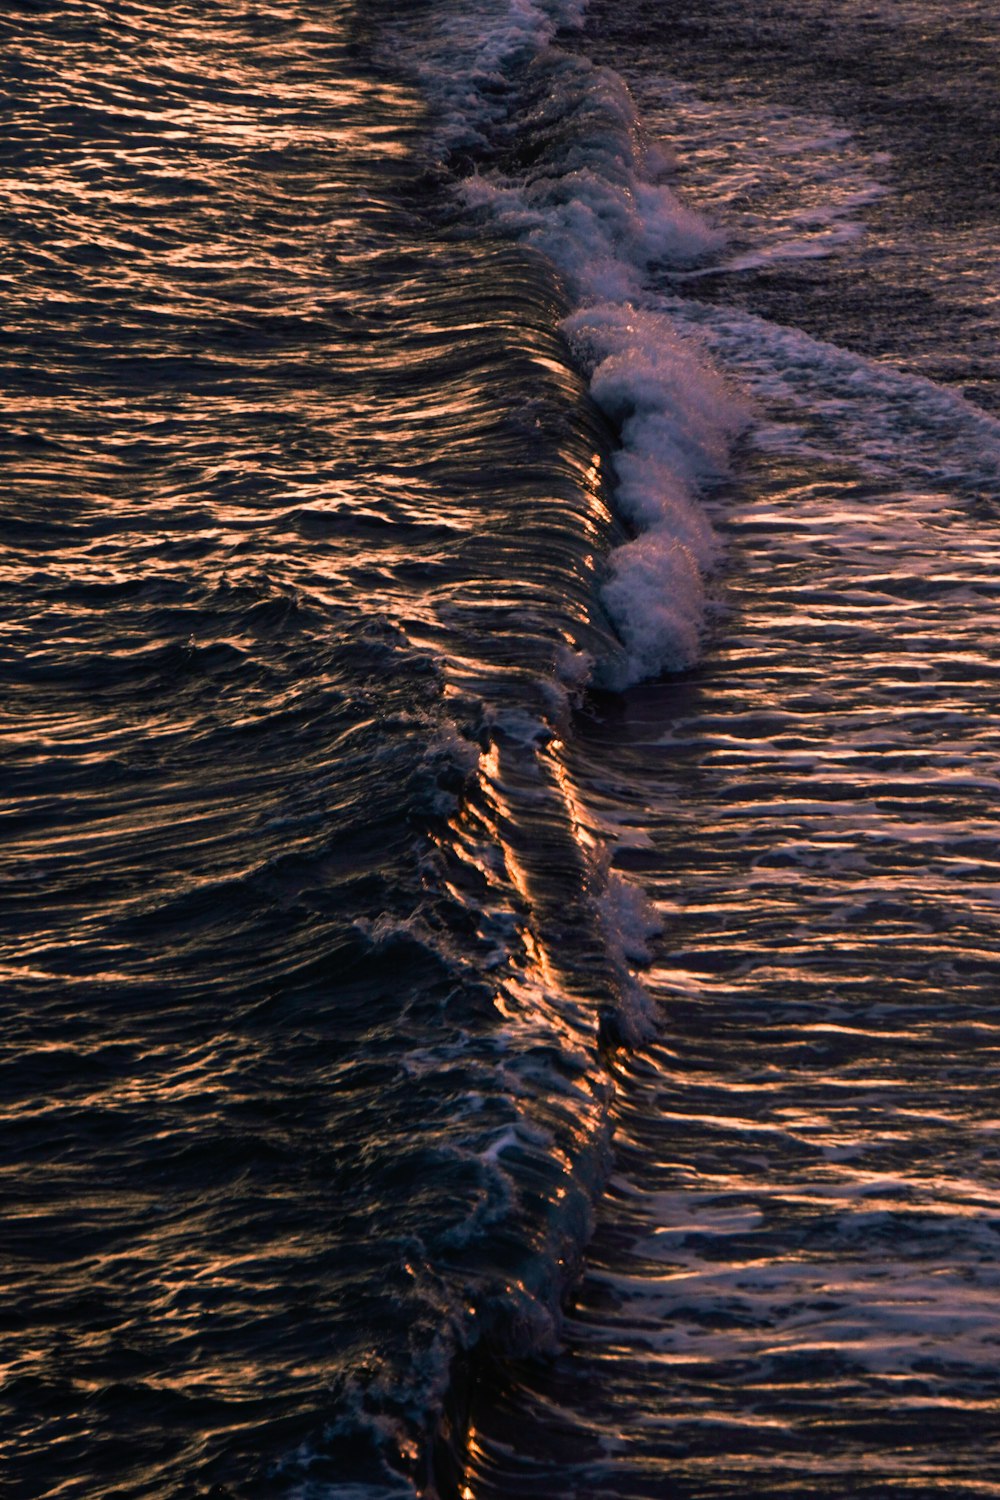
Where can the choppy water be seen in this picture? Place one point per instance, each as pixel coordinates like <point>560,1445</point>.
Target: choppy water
<point>365,903</point>
<point>793,1283</point>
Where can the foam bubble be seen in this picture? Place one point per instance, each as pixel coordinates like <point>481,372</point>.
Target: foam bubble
<point>832,402</point>
<point>594,201</point>
<point>560,159</point>
<point>676,416</point>
<point>630,917</point>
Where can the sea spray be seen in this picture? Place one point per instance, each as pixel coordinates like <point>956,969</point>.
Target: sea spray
<point>549,147</point>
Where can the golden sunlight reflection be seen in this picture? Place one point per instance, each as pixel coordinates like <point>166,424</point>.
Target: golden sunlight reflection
<point>802,1223</point>
<point>361,939</point>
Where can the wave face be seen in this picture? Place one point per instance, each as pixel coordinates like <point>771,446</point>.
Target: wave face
<point>372,395</point>
<point>791,1289</point>
<point>314,961</point>
<point>549,147</point>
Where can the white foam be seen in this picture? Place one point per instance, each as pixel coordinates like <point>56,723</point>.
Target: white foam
<point>592,196</point>
<point>676,417</point>
<point>629,917</point>
<point>599,221</point>
<point>598,209</point>
<point>464,60</point>
<point>834,402</point>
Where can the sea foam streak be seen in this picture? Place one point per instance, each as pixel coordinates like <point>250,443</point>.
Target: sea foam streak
<point>590,194</point>
<point>541,935</point>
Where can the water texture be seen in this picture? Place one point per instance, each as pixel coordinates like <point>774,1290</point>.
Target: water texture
<point>500,716</point>
<point>791,1288</point>
<point>278,1004</point>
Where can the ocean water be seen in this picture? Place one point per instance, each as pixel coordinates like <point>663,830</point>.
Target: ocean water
<point>500,907</point>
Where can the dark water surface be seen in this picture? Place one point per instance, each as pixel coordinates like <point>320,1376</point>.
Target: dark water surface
<point>274,448</point>
<point>362,906</point>
<point>792,1288</point>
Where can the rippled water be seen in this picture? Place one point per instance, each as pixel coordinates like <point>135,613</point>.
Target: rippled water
<point>369,391</point>
<point>792,1288</point>
<point>276,560</point>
